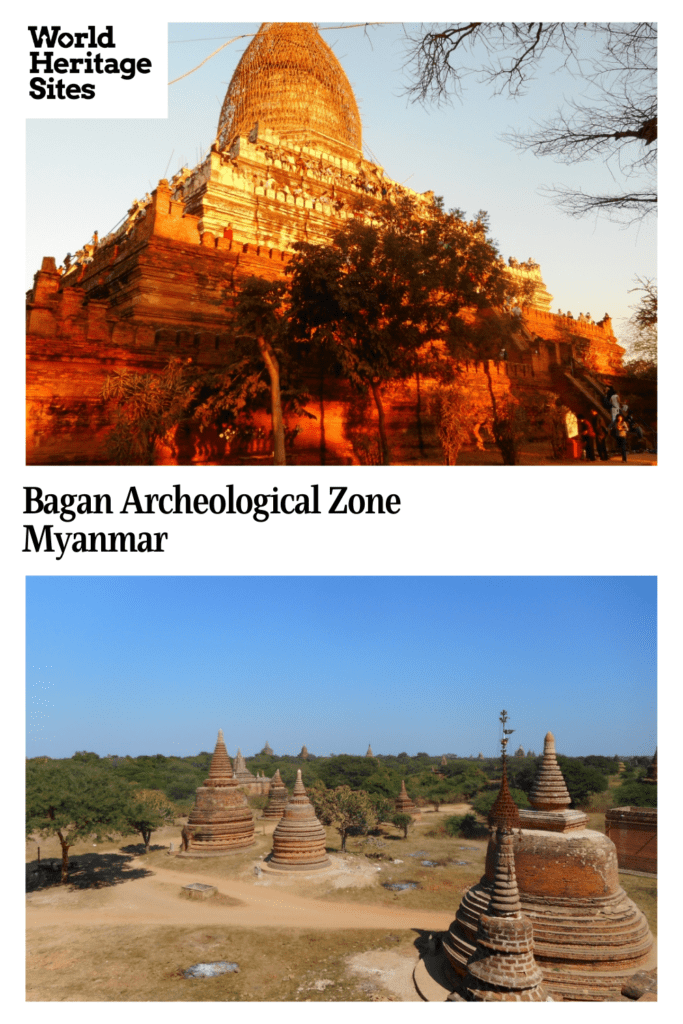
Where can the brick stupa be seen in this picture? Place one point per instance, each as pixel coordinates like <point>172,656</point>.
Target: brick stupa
<point>589,937</point>
<point>240,770</point>
<point>502,967</point>
<point>404,805</point>
<point>279,797</point>
<point>220,821</point>
<point>651,775</point>
<point>299,838</point>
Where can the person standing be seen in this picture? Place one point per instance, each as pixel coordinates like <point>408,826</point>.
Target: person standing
<point>621,434</point>
<point>600,435</point>
<point>588,438</point>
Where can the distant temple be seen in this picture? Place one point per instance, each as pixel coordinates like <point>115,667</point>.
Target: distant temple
<point>286,166</point>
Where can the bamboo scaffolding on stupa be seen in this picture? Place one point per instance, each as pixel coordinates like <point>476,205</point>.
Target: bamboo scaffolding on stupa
<point>289,80</point>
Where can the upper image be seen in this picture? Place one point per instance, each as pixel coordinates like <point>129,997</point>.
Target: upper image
<point>323,264</point>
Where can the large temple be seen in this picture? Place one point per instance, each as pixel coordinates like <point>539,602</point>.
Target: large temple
<point>286,165</point>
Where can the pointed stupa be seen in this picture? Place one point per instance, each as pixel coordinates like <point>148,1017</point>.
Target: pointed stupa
<point>268,750</point>
<point>299,838</point>
<point>502,967</point>
<point>304,752</point>
<point>289,81</point>
<point>242,773</point>
<point>220,821</point>
<point>504,812</point>
<point>369,752</point>
<point>587,933</point>
<point>549,791</point>
<point>278,797</point>
<point>652,771</point>
<point>404,805</point>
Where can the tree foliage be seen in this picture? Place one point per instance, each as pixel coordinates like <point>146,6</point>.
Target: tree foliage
<point>347,810</point>
<point>148,406</point>
<point>635,793</point>
<point>615,118</point>
<point>72,802</point>
<point>403,822</point>
<point>147,811</point>
<point>385,290</point>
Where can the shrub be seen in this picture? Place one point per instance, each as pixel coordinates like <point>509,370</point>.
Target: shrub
<point>462,825</point>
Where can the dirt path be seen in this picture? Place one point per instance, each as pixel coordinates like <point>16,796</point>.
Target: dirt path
<point>154,900</point>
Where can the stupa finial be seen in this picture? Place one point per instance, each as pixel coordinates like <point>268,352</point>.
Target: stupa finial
<point>504,814</point>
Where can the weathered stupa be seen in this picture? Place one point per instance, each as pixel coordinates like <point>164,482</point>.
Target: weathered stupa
<point>299,838</point>
<point>404,805</point>
<point>651,775</point>
<point>278,797</point>
<point>242,773</point>
<point>588,935</point>
<point>368,752</point>
<point>502,967</point>
<point>220,821</point>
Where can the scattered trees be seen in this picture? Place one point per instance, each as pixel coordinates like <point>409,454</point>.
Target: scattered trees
<point>615,119</point>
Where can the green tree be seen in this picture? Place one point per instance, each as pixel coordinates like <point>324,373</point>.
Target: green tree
<point>635,793</point>
<point>403,822</point>
<point>148,406</point>
<point>380,296</point>
<point>462,825</point>
<point>345,809</point>
<point>581,780</point>
<point>261,326</point>
<point>73,802</point>
<point>148,811</point>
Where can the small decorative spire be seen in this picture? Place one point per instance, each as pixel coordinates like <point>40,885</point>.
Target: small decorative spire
<point>549,791</point>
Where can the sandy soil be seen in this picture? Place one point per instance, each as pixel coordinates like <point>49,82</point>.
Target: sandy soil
<point>154,900</point>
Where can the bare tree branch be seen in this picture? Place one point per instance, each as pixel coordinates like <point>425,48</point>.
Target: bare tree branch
<point>615,120</point>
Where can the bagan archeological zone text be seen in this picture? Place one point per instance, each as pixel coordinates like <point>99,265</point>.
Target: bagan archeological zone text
<point>176,502</point>
<point>90,63</point>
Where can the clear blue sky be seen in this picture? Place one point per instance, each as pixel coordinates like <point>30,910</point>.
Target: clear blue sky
<point>133,665</point>
<point>96,168</point>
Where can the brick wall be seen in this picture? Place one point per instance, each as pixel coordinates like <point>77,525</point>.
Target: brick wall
<point>633,830</point>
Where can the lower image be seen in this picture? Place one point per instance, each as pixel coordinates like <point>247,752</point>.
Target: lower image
<point>341,789</point>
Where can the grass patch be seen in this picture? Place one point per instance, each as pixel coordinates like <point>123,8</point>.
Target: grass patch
<point>643,892</point>
<point>146,964</point>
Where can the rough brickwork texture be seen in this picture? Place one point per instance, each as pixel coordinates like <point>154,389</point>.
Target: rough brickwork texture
<point>588,935</point>
<point>502,966</point>
<point>633,830</point>
<point>299,838</point>
<point>220,821</point>
<point>278,797</point>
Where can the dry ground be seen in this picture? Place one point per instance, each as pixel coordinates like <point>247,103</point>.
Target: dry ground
<point>121,929</point>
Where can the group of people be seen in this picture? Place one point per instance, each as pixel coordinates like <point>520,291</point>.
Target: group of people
<point>594,433</point>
